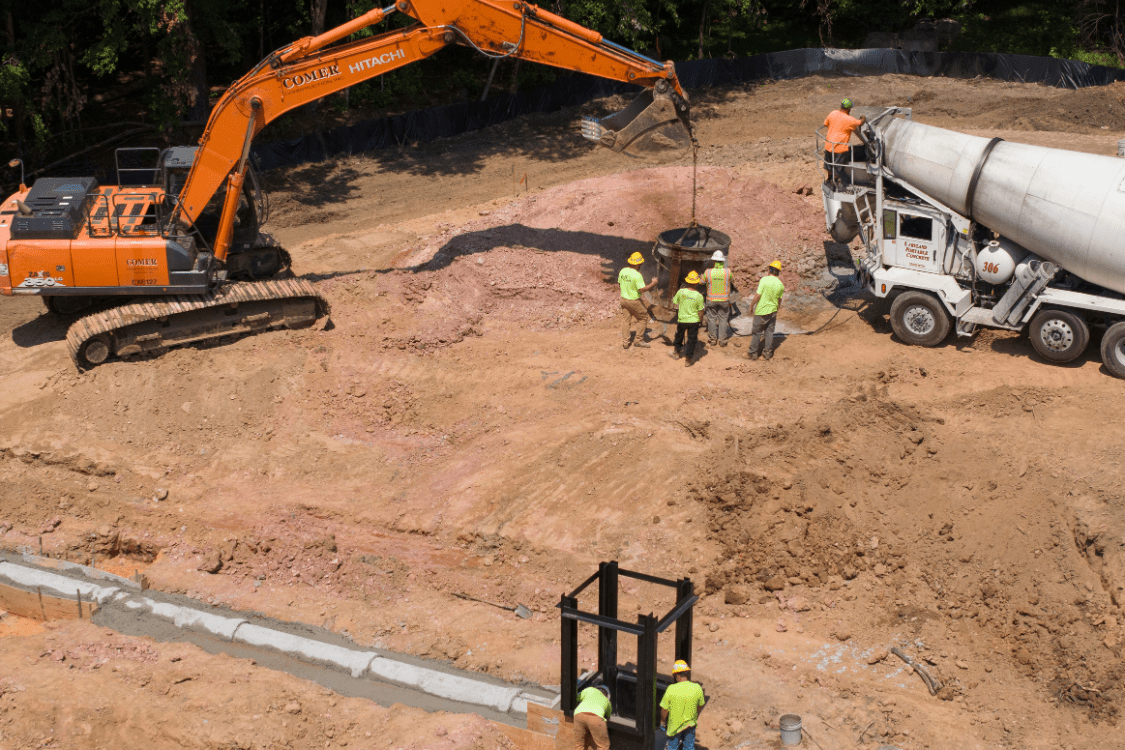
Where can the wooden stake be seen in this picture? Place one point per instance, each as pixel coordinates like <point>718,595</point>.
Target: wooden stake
<point>40,546</point>
<point>79,592</point>
<point>42,609</point>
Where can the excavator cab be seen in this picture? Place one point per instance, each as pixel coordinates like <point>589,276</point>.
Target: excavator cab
<point>654,123</point>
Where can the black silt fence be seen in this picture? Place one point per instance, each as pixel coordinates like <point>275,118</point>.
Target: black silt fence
<point>426,125</point>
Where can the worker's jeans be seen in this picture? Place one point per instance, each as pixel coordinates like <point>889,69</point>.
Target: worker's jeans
<point>718,321</point>
<point>684,740</point>
<point>687,334</point>
<point>833,163</point>
<point>763,324</point>
<point>592,726</point>
<point>635,315</point>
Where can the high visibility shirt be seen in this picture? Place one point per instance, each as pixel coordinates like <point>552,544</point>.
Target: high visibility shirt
<point>631,282</point>
<point>691,305</point>
<point>718,284</point>
<point>682,701</point>
<point>593,701</point>
<point>770,290</point>
<point>840,126</point>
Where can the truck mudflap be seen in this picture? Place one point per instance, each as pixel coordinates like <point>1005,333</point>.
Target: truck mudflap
<point>957,300</point>
<point>158,323</point>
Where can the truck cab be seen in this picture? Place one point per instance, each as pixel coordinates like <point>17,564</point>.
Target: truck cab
<point>914,237</point>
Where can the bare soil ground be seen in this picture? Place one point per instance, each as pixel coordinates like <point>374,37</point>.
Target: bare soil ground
<point>471,425</point>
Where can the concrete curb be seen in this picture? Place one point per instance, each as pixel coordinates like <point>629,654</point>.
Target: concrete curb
<point>367,665</point>
<point>63,587</point>
<point>306,649</point>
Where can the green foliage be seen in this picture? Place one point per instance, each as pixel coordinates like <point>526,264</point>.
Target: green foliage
<point>67,50</point>
<point>1028,28</point>
<point>403,83</point>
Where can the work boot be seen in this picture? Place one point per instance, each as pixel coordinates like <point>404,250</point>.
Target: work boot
<point>767,355</point>
<point>642,345</point>
<point>675,354</point>
<point>752,356</point>
<point>689,362</point>
<point>724,342</point>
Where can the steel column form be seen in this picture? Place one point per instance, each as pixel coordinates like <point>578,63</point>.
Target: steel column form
<point>568,680</point>
<point>684,622</point>
<point>607,637</point>
<point>647,719</point>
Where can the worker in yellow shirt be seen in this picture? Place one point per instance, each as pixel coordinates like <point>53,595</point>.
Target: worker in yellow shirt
<point>837,151</point>
<point>765,303</point>
<point>590,717</point>
<point>690,303</point>
<point>718,282</point>
<point>635,311</point>
<point>679,708</point>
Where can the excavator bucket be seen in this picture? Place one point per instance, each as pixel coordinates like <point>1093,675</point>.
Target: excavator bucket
<point>655,122</point>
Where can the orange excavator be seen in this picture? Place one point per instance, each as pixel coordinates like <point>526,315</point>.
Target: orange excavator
<point>174,253</point>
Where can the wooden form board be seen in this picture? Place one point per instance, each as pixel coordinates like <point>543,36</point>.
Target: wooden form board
<point>551,723</point>
<point>37,606</point>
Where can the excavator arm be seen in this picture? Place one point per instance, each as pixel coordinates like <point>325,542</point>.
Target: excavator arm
<point>314,67</point>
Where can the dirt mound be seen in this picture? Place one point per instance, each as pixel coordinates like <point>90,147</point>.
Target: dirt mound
<point>876,492</point>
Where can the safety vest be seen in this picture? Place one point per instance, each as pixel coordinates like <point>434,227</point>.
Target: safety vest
<point>718,285</point>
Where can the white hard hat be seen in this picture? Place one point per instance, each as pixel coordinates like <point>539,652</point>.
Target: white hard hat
<point>718,257</point>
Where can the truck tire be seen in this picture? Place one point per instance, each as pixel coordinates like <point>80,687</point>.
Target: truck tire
<point>919,319</point>
<point>1059,336</point>
<point>1113,349</point>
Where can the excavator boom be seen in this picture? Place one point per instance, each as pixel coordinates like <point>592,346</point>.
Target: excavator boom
<point>310,69</point>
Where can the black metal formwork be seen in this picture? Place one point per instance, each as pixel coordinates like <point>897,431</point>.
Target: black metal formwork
<point>635,693</point>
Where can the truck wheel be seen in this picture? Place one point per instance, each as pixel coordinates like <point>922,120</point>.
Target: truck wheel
<point>1113,349</point>
<point>1059,336</point>
<point>919,319</point>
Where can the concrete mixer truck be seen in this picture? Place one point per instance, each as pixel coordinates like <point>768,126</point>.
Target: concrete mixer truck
<point>967,232</point>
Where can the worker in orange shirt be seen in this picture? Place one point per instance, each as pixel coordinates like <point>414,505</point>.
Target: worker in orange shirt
<point>840,124</point>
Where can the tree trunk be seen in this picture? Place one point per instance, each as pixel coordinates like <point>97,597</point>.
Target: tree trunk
<point>488,83</point>
<point>318,10</point>
<point>200,108</point>
<point>703,25</point>
<point>17,106</point>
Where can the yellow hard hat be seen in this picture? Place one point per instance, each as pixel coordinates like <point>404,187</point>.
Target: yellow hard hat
<point>680,666</point>
<point>692,278</point>
<point>636,259</point>
<point>776,264</point>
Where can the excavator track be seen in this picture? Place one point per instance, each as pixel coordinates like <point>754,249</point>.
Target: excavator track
<point>159,323</point>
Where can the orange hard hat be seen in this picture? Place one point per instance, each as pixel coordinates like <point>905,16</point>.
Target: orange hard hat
<point>680,666</point>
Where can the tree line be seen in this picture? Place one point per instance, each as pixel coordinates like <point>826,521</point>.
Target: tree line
<point>73,70</point>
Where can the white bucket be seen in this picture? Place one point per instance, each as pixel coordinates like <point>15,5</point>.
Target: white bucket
<point>1121,148</point>
<point>790,725</point>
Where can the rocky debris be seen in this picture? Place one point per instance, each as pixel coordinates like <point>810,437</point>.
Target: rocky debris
<point>212,562</point>
<point>877,656</point>
<point>737,594</point>
<point>292,707</point>
<point>160,495</point>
